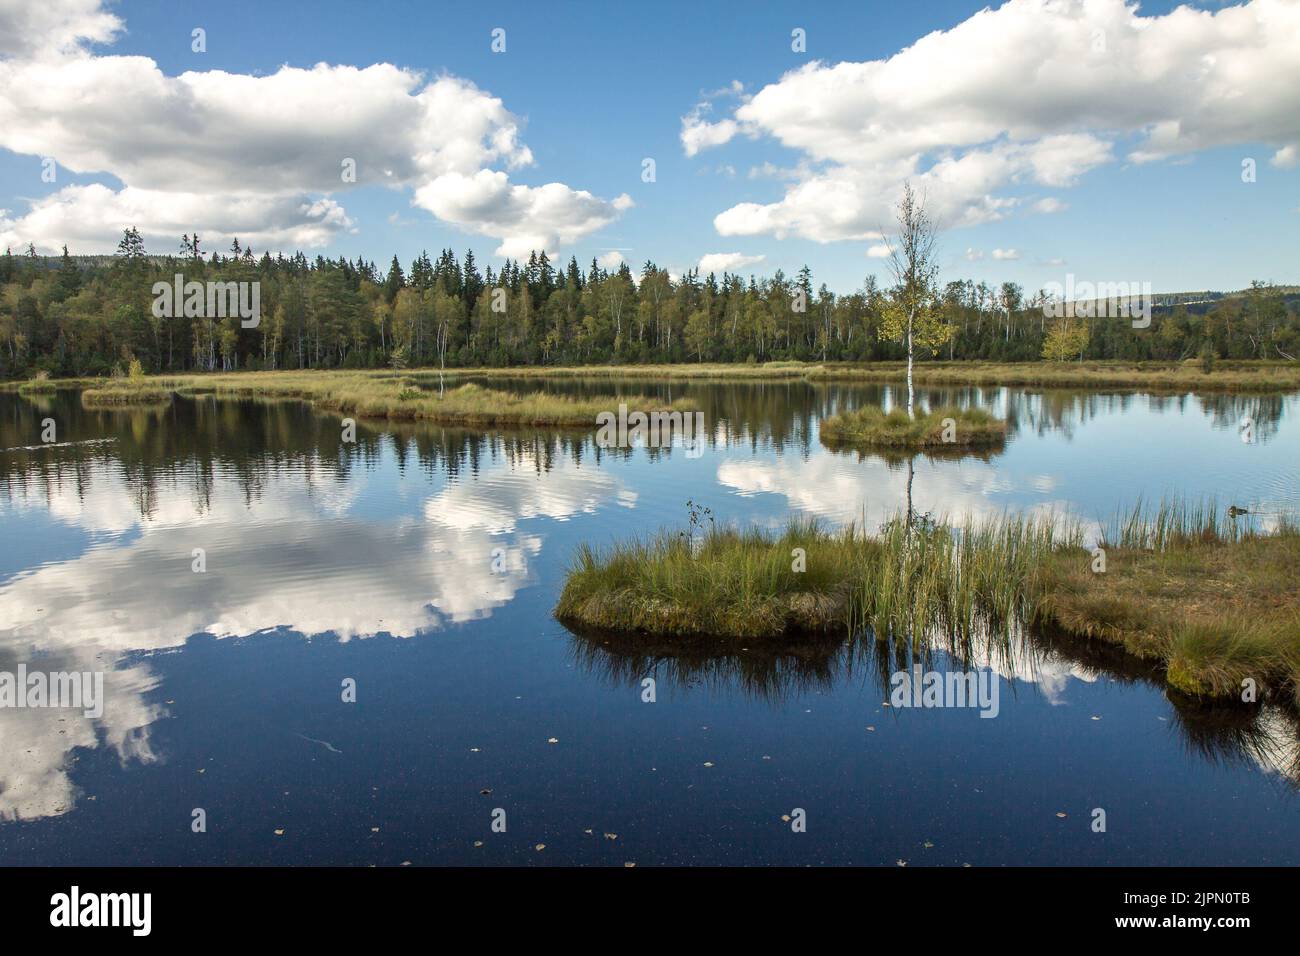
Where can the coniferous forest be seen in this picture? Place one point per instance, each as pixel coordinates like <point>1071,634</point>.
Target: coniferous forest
<point>91,315</point>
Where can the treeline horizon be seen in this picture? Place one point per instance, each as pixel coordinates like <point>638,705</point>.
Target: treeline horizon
<point>93,319</point>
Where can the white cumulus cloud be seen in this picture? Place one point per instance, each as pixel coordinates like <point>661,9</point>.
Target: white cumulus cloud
<point>1035,92</point>
<point>258,157</point>
<point>727,262</point>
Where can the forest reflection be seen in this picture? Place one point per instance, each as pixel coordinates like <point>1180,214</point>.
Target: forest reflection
<point>250,441</point>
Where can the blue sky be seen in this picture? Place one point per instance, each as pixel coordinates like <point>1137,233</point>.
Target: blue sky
<point>598,88</point>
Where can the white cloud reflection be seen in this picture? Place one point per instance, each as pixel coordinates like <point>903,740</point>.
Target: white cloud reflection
<point>306,553</point>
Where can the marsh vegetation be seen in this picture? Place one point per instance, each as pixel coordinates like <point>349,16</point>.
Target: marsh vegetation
<point>1213,602</point>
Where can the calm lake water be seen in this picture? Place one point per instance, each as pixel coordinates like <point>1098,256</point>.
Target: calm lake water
<point>423,563</point>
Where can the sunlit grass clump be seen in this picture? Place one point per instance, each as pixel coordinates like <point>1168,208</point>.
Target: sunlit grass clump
<point>871,427</point>
<point>38,385</point>
<point>125,395</point>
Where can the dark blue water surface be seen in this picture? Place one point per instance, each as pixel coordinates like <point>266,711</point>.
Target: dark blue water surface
<point>423,563</point>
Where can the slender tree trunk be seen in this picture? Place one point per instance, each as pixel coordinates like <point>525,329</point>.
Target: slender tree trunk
<point>911,398</point>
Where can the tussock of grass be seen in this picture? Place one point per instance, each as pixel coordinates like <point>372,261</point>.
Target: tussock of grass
<point>731,584</point>
<point>1216,656</point>
<point>126,395</point>
<point>40,385</point>
<point>1212,603</point>
<point>870,427</point>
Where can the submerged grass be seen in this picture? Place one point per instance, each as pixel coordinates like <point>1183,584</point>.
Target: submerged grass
<point>1213,603</point>
<point>870,427</point>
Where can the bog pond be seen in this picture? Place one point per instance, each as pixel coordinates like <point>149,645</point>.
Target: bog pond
<point>343,652</point>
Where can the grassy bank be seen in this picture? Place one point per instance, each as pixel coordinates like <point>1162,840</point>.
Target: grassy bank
<point>381,395</point>
<point>871,427</point>
<point>1143,376</point>
<point>1227,376</point>
<point>722,371</point>
<point>1210,603</point>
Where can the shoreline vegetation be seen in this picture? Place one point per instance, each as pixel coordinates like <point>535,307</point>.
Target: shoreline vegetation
<point>1244,375</point>
<point>1142,376</point>
<point>942,428</point>
<point>1211,603</point>
<point>378,395</point>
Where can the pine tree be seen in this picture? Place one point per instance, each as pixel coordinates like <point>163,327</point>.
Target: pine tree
<point>394,282</point>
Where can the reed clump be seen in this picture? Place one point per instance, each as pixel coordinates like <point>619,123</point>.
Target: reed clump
<point>910,578</point>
